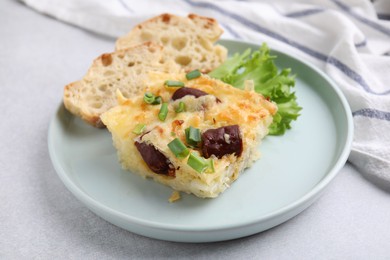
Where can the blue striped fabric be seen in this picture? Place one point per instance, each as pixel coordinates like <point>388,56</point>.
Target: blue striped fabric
<point>325,58</point>
<point>373,113</point>
<point>362,19</point>
<point>304,13</point>
<point>361,44</point>
<point>231,31</point>
<point>125,6</point>
<point>384,16</point>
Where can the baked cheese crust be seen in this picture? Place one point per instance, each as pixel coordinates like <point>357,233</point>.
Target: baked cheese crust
<point>223,106</point>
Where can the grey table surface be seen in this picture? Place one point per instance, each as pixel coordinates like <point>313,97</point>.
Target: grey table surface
<point>40,218</point>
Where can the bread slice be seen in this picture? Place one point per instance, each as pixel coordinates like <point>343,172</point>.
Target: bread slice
<point>221,106</point>
<point>189,41</point>
<point>126,70</point>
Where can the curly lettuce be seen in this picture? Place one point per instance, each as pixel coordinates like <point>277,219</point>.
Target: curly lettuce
<point>273,84</point>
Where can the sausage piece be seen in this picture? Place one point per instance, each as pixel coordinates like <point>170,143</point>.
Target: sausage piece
<point>156,161</point>
<point>222,141</point>
<point>182,92</point>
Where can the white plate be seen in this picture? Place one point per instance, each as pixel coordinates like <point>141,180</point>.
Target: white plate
<point>292,172</point>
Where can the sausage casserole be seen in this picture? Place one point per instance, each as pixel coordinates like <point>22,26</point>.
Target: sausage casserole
<point>195,134</point>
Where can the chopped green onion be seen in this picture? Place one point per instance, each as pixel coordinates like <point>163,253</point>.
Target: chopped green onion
<point>178,148</point>
<point>200,164</point>
<point>197,163</point>
<point>149,97</point>
<point>163,111</point>
<point>173,83</point>
<point>193,136</point>
<point>210,166</point>
<point>152,99</point>
<point>193,74</point>
<point>181,107</point>
<point>139,128</point>
<point>157,100</point>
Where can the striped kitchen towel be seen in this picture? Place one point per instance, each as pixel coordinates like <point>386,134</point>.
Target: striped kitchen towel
<point>348,39</point>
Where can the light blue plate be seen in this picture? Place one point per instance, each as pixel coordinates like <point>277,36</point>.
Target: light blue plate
<point>293,171</point>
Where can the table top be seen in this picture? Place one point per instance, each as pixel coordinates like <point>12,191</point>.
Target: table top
<point>40,218</point>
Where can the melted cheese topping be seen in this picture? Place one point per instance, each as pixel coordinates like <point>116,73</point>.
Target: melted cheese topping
<point>225,105</point>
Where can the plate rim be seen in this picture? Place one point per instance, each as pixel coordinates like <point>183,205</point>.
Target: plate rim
<point>300,202</point>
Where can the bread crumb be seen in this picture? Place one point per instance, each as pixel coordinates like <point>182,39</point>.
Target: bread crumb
<point>106,59</point>
<point>174,197</point>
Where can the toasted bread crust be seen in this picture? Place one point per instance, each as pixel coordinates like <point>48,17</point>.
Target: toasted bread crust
<point>165,43</point>
<point>125,69</point>
<point>189,41</point>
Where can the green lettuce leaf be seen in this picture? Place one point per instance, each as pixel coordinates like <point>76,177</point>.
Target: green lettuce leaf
<point>276,85</point>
